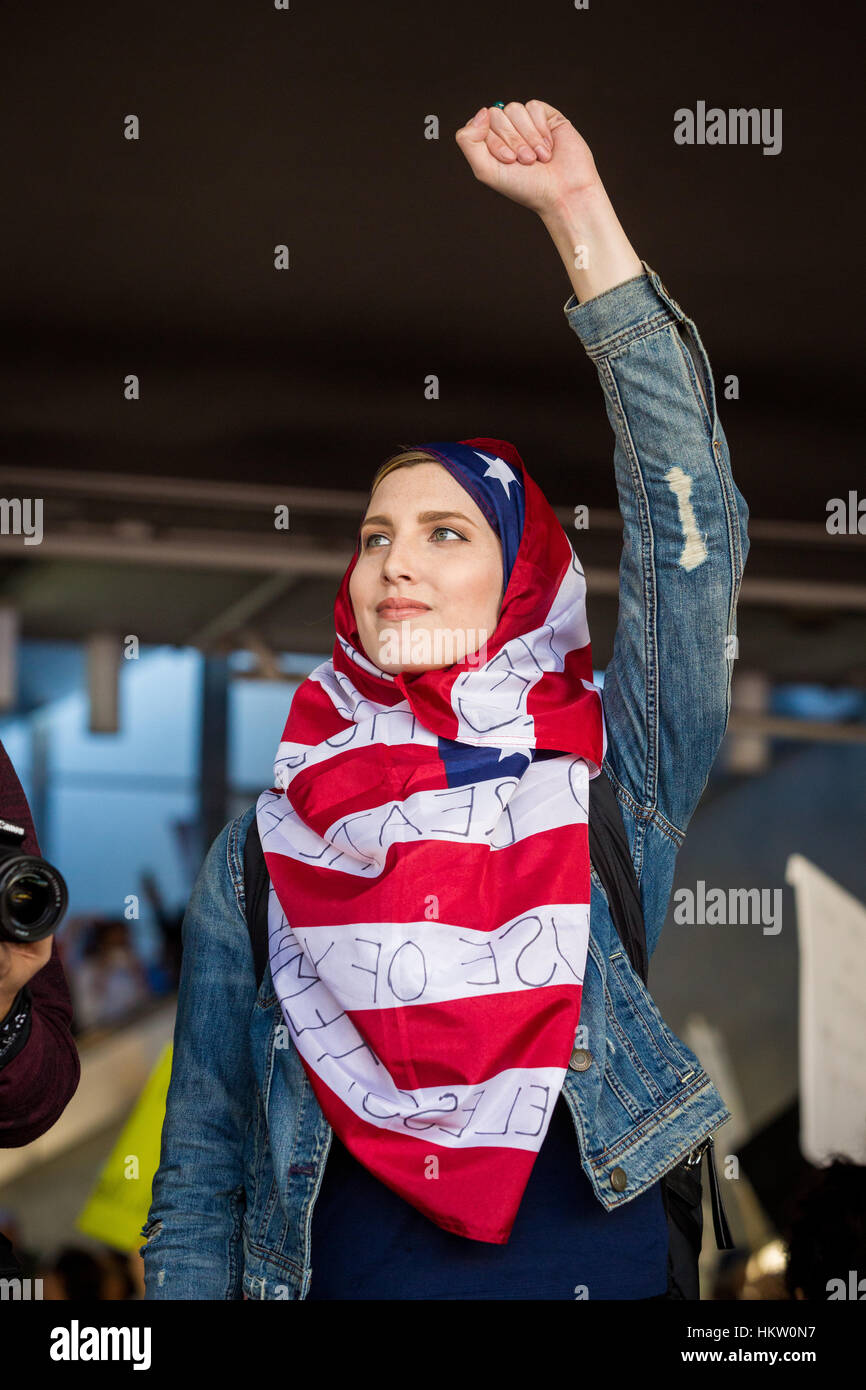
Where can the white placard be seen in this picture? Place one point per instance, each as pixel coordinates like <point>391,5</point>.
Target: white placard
<point>831,931</point>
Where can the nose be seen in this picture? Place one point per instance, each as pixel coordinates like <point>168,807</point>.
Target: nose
<point>397,561</point>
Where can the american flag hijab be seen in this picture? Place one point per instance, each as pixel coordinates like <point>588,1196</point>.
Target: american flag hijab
<point>426,840</point>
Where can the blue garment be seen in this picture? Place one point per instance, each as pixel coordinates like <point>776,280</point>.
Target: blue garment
<point>244,1142</point>
<point>368,1243</point>
<point>495,488</point>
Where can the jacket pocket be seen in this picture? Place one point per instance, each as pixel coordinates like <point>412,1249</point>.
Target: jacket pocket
<point>658,1046</point>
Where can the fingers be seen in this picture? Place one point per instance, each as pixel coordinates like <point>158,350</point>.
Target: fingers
<point>516,133</point>
<point>21,959</point>
<point>540,111</point>
<point>520,134</point>
<point>479,141</point>
<point>42,953</point>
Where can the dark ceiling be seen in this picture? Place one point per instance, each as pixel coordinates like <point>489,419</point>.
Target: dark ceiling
<point>305,126</point>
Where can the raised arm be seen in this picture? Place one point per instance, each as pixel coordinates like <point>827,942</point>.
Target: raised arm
<point>667,688</point>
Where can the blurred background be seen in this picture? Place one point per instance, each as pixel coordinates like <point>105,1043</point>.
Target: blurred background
<point>166,388</point>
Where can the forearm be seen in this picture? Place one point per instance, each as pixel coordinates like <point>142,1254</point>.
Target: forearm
<point>39,1077</point>
<point>604,256</point>
<point>667,687</point>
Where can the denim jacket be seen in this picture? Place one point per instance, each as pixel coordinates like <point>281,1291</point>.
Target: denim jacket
<point>244,1141</point>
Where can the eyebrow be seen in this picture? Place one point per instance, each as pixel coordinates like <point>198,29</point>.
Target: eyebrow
<point>422,516</point>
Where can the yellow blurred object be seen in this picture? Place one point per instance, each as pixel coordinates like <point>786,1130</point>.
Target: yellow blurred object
<point>117,1208</point>
<point>765,1273</point>
<point>772,1258</point>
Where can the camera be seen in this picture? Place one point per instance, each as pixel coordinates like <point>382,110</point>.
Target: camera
<point>33,894</point>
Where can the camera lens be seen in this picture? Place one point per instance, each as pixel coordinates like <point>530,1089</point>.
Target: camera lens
<point>27,898</point>
<point>33,899</point>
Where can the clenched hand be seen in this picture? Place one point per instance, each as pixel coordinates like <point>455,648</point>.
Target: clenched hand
<point>531,153</point>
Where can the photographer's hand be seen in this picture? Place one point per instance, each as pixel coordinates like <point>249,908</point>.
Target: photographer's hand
<point>505,149</point>
<point>19,962</point>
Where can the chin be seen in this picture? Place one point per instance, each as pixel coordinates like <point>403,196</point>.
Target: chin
<point>411,650</point>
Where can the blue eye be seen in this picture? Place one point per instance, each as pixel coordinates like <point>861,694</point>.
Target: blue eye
<point>374,534</point>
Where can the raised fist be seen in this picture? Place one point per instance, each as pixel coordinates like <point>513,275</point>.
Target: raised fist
<point>531,153</point>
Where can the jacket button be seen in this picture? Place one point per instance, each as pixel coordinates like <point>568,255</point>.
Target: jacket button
<point>618,1179</point>
<point>580,1059</point>
<point>672,303</point>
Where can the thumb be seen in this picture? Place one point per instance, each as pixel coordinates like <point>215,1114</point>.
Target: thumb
<point>472,139</point>
<point>477,127</point>
<point>474,132</point>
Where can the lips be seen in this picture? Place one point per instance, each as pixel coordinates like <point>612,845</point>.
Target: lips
<point>400,608</point>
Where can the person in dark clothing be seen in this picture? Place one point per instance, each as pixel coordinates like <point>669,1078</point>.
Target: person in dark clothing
<point>39,1064</point>
<point>825,1233</point>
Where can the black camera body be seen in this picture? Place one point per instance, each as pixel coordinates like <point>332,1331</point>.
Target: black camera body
<point>33,894</point>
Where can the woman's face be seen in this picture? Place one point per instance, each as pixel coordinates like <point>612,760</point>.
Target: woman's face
<point>424,542</point>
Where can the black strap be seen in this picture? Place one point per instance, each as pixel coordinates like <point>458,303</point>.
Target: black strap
<point>15,1028</point>
<point>724,1239</point>
<point>256,888</point>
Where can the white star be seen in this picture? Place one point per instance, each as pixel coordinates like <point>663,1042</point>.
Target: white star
<point>499,469</point>
<point>510,752</point>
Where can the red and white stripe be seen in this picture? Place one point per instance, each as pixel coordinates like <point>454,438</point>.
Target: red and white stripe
<point>428,941</point>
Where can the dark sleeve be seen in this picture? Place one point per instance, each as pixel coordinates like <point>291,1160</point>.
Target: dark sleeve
<point>38,1081</point>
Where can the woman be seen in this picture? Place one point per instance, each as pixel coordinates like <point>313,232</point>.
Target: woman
<point>451,1082</point>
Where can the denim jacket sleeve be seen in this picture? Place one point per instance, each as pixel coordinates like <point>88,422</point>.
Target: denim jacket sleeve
<point>667,689</point>
<point>194,1247</point>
